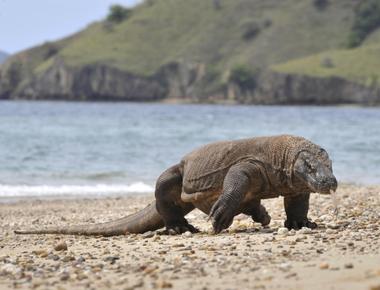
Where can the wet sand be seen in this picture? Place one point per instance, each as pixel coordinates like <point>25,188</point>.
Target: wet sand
<point>343,253</point>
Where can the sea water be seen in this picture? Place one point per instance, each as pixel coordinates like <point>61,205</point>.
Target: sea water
<point>83,149</point>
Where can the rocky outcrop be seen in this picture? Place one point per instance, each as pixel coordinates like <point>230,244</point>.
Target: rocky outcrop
<point>289,89</point>
<point>92,82</point>
<point>277,88</point>
<point>183,81</point>
<point>99,82</point>
<point>177,81</point>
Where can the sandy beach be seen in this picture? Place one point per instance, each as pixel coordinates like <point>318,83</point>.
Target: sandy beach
<point>343,253</point>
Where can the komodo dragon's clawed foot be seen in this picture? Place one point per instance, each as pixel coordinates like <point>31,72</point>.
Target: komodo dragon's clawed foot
<point>177,229</point>
<point>262,217</point>
<point>222,216</point>
<point>296,225</point>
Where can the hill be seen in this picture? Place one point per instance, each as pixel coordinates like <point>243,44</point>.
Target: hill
<point>359,65</point>
<point>3,56</point>
<point>192,50</point>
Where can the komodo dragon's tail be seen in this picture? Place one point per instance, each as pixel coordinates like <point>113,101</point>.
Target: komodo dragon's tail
<point>145,220</point>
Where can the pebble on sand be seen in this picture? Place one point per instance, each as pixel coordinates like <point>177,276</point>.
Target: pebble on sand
<point>305,230</point>
<point>283,231</point>
<point>348,265</point>
<point>62,246</point>
<point>324,266</point>
<point>165,284</point>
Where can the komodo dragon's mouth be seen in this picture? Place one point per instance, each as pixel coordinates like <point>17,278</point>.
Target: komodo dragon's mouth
<point>330,191</point>
<point>322,187</point>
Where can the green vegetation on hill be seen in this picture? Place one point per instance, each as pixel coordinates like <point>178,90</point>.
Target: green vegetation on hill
<point>367,19</point>
<point>118,13</point>
<point>361,65</point>
<point>244,76</point>
<point>252,32</point>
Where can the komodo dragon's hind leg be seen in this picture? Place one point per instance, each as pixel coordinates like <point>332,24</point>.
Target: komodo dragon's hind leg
<point>169,204</point>
<point>257,211</point>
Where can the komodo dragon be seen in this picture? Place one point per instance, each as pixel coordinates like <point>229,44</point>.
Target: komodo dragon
<point>224,179</point>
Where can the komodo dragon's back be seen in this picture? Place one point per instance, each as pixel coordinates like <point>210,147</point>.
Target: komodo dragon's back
<point>205,167</point>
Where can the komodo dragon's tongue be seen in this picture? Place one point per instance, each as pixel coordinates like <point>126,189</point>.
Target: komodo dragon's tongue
<point>335,202</point>
<point>145,220</point>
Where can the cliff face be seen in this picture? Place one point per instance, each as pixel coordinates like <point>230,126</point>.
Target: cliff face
<point>180,82</point>
<point>290,89</point>
<point>90,82</point>
<point>277,88</point>
<point>99,82</point>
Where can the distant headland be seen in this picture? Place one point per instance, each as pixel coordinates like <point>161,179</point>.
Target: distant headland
<point>243,51</point>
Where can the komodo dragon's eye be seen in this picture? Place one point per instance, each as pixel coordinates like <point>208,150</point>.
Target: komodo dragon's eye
<point>310,166</point>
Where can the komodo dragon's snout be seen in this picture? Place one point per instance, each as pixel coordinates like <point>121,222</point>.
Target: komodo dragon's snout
<point>316,172</point>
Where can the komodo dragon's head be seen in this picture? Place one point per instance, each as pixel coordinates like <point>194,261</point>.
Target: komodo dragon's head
<point>315,171</point>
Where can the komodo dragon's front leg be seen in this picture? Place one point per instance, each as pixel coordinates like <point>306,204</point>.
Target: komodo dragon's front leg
<point>296,208</point>
<point>240,179</point>
<point>169,204</point>
<point>258,212</point>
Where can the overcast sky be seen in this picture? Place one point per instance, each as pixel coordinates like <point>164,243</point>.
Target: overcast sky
<point>25,23</point>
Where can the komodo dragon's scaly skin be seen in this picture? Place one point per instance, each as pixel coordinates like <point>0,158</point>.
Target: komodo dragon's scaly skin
<point>224,179</point>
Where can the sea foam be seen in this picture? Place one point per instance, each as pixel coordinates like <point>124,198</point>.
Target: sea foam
<point>73,190</point>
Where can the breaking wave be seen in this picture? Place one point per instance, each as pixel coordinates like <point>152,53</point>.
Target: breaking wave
<point>72,190</point>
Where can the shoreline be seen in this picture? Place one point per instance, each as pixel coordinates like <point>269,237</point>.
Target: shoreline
<point>179,101</point>
<point>343,253</point>
<point>68,197</point>
<point>80,197</point>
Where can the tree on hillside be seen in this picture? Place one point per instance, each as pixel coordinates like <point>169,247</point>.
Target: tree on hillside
<point>320,4</point>
<point>217,4</point>
<point>367,19</point>
<point>243,76</point>
<point>118,13</point>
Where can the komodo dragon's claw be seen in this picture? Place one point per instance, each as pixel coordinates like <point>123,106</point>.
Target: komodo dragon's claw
<point>222,216</point>
<point>262,216</point>
<point>180,229</point>
<point>296,225</point>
